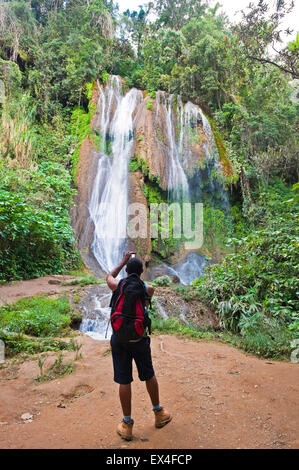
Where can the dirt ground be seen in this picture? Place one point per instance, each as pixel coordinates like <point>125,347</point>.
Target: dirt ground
<point>41,285</point>
<point>219,396</point>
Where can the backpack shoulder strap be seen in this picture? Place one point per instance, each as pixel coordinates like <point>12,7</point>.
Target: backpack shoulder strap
<point>115,294</point>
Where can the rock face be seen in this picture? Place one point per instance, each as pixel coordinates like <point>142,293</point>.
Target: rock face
<point>147,146</point>
<point>85,175</point>
<point>170,149</point>
<point>170,304</point>
<point>142,245</point>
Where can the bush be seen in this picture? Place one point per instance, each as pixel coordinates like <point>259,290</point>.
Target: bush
<point>22,344</point>
<point>30,325</point>
<point>264,336</point>
<point>162,281</point>
<point>37,316</point>
<point>32,242</point>
<point>258,284</point>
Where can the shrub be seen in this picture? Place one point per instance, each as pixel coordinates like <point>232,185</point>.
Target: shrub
<point>162,281</point>
<point>37,316</point>
<point>254,290</point>
<point>32,242</point>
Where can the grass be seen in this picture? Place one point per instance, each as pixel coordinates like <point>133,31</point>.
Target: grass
<point>16,344</point>
<point>177,327</point>
<point>258,343</point>
<point>59,368</point>
<point>32,325</point>
<point>268,341</point>
<point>85,281</point>
<point>149,105</point>
<point>162,281</point>
<point>36,316</point>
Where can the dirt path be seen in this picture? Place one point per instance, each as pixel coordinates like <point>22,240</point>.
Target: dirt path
<point>41,285</point>
<point>219,396</point>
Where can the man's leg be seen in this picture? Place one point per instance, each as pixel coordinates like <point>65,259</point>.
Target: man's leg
<point>153,390</point>
<point>124,429</point>
<point>122,364</point>
<point>125,396</point>
<point>162,416</point>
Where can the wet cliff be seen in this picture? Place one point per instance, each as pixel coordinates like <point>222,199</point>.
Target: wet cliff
<point>143,149</point>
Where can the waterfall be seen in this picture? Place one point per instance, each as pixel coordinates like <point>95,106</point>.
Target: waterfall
<point>95,322</point>
<point>187,134</point>
<point>109,200</point>
<point>178,187</point>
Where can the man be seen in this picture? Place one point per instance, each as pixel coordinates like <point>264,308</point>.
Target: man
<point>124,353</point>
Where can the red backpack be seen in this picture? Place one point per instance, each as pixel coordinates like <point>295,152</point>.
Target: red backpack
<point>129,317</point>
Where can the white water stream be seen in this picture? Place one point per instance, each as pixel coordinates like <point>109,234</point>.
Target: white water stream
<point>109,199</point>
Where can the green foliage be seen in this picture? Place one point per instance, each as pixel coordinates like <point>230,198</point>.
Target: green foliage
<point>105,77</point>
<point>134,165</point>
<point>162,281</point>
<point>84,281</point>
<point>149,105</point>
<point>36,316</point>
<point>264,338</point>
<point>32,242</point>
<point>254,290</point>
<point>21,344</point>
<point>80,129</point>
<point>263,118</point>
<point>163,247</point>
<point>294,45</point>
<point>217,227</point>
<point>11,76</point>
<point>59,368</point>
<point>32,325</point>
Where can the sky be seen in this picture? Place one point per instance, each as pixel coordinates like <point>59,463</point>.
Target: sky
<point>230,7</point>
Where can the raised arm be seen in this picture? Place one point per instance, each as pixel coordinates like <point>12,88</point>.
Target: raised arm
<point>111,277</point>
<point>150,290</point>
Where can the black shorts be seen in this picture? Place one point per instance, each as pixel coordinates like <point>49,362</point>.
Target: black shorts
<point>123,355</point>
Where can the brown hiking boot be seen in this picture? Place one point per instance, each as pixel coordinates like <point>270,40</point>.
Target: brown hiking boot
<point>162,417</point>
<point>125,430</point>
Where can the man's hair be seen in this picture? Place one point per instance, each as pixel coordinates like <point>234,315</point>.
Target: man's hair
<point>134,265</point>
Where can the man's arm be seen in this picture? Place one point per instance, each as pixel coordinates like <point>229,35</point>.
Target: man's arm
<point>110,278</point>
<point>150,290</point>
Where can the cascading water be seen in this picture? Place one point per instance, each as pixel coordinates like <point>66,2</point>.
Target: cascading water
<point>177,180</point>
<point>109,199</point>
<point>95,322</point>
<point>183,139</point>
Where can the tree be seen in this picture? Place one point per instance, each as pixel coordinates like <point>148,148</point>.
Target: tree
<point>175,13</point>
<point>260,34</point>
<point>135,24</point>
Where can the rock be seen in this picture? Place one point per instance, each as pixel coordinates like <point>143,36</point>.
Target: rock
<point>27,417</point>
<point>3,423</point>
<point>54,281</point>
